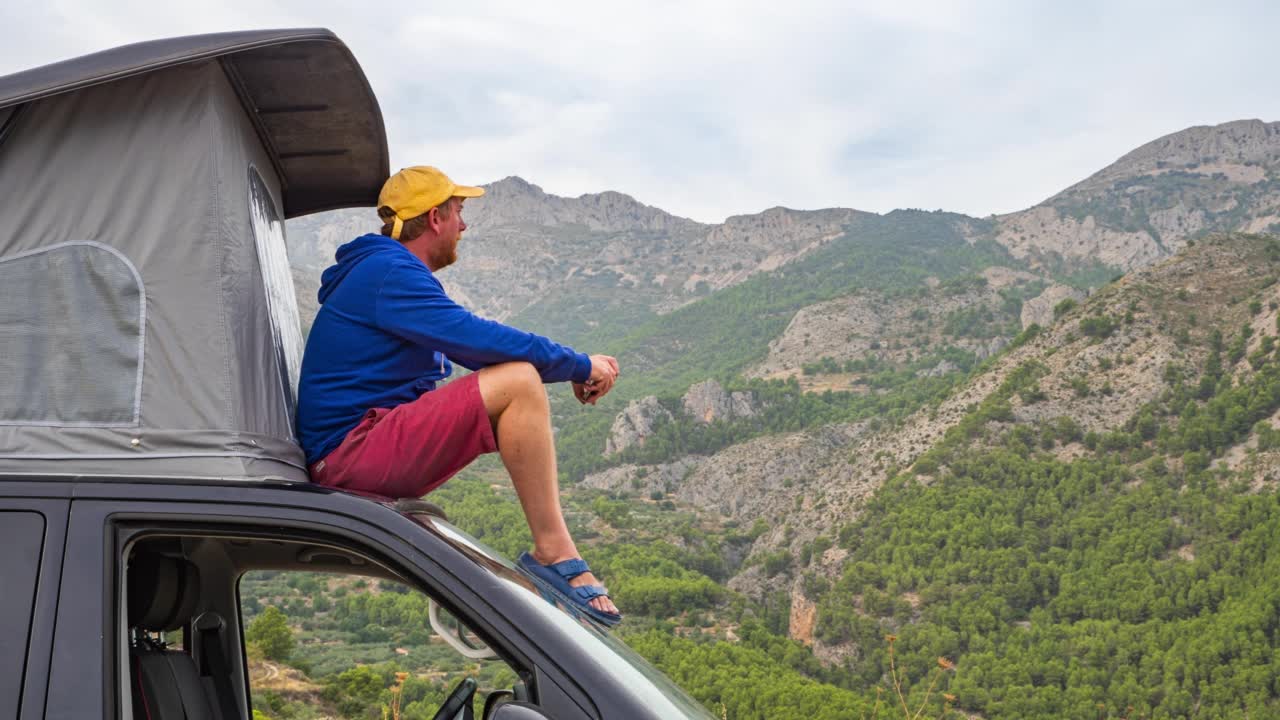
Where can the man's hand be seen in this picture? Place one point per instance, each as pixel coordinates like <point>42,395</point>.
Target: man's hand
<point>604,373</point>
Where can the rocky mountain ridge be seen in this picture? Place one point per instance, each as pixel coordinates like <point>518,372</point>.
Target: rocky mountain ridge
<point>525,247</point>
<point>514,201</point>
<point>1242,150</point>
<point>1146,204</point>
<point>573,266</point>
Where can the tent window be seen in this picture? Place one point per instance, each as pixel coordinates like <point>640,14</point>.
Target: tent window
<point>71,347</point>
<point>273,259</point>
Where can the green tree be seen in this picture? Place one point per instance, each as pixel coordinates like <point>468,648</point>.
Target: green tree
<point>270,631</point>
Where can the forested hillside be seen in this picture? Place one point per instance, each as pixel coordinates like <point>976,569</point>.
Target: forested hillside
<point>1022,467</point>
<point>1133,567</point>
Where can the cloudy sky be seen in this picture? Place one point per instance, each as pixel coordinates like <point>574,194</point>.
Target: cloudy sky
<point>710,108</point>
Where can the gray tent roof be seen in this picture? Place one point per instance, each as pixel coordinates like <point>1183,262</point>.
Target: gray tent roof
<point>306,95</point>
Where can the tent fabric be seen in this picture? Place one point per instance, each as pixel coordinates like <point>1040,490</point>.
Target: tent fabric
<point>112,452</point>
<point>6,114</point>
<point>156,168</point>
<point>306,97</point>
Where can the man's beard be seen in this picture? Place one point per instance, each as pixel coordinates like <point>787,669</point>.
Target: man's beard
<point>446,257</point>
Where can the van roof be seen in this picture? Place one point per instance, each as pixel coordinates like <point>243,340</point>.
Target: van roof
<point>308,99</point>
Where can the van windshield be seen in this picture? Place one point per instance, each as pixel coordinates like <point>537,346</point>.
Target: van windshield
<point>643,680</point>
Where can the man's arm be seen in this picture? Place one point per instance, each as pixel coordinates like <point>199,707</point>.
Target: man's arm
<point>411,304</point>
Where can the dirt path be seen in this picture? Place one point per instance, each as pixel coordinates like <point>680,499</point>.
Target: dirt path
<point>269,671</point>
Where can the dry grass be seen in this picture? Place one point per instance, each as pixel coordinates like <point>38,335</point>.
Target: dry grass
<point>901,689</point>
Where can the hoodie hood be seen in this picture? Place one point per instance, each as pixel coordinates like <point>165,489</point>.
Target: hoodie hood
<point>350,255</point>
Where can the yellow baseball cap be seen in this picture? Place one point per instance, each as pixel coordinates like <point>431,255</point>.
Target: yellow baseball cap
<point>415,190</point>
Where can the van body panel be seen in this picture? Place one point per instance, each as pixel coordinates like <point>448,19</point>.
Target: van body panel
<point>23,694</point>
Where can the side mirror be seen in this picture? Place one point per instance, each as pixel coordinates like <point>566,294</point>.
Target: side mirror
<point>456,634</point>
<point>518,711</point>
<point>496,699</point>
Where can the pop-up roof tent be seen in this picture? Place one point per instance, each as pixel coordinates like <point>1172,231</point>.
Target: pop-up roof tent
<point>148,326</point>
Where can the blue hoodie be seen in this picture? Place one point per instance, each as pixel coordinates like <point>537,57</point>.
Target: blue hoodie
<point>386,333</point>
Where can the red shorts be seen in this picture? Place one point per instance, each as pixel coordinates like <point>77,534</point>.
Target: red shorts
<point>409,450</point>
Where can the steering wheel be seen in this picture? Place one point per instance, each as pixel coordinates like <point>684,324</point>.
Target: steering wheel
<point>459,698</point>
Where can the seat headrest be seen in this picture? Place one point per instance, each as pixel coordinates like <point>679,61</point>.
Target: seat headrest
<point>163,591</point>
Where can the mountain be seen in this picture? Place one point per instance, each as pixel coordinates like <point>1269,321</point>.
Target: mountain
<point>1099,365</point>
<point>1087,485</point>
<point>600,266</point>
<point>1148,203</point>
<point>1079,492</point>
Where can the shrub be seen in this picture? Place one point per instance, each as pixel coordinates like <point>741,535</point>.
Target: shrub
<point>777,562</point>
<point>1099,326</point>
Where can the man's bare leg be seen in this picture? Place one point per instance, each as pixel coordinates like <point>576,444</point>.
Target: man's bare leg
<point>518,409</point>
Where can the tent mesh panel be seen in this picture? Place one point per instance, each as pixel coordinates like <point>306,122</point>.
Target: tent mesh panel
<point>277,278</point>
<point>70,337</point>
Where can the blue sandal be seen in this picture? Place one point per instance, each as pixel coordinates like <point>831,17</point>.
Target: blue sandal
<point>558,575</point>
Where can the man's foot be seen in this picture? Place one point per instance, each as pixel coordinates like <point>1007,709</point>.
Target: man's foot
<point>602,603</point>
<point>567,575</point>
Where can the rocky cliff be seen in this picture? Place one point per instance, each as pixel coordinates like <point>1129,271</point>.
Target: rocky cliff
<point>635,424</point>
<point>1039,310</point>
<point>705,402</point>
<point>708,402</point>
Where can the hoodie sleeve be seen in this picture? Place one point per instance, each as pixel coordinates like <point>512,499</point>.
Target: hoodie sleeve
<point>412,304</point>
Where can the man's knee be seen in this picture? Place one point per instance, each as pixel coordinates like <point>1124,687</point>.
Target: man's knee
<point>499,384</point>
<point>521,374</point>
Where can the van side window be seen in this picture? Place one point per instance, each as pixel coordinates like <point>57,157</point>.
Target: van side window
<point>22,537</point>
<point>349,646</point>
<point>293,627</point>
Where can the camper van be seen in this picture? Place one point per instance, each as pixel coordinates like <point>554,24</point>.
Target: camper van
<point>149,358</point>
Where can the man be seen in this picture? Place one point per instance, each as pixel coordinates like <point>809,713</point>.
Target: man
<point>370,416</point>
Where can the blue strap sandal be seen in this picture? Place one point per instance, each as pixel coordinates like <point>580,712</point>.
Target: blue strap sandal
<point>558,575</point>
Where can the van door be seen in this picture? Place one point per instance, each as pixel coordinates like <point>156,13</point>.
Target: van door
<point>32,530</point>
<point>91,655</point>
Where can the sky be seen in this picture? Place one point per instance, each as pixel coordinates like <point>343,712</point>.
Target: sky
<point>714,108</point>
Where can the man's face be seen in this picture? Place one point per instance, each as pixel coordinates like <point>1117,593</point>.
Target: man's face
<point>445,252</point>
